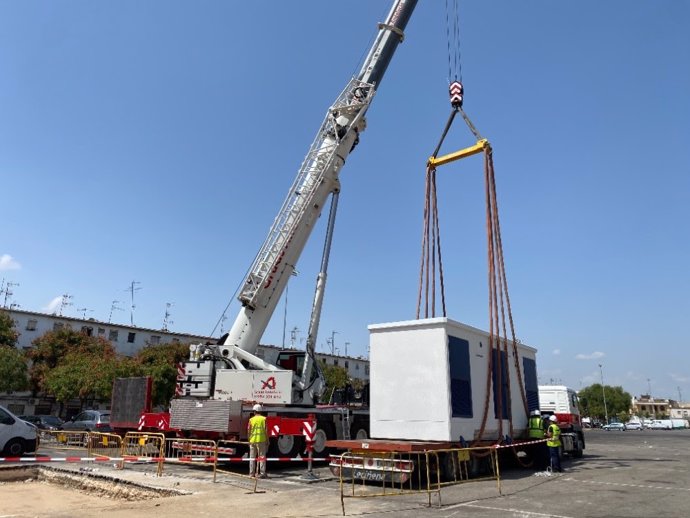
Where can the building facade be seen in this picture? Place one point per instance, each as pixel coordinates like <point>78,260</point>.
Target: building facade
<point>127,340</point>
<point>647,406</point>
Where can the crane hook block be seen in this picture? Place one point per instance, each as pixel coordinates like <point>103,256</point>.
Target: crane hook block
<point>457,93</point>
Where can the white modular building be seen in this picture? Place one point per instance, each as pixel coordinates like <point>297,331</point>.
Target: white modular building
<point>429,382</point>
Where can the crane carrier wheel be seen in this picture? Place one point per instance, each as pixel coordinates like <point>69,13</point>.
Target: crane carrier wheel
<point>289,446</point>
<point>324,431</point>
<point>359,431</point>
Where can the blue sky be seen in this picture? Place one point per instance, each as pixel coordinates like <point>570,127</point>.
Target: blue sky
<point>155,142</point>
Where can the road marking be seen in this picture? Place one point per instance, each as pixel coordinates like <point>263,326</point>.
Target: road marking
<point>668,488</point>
<point>518,512</point>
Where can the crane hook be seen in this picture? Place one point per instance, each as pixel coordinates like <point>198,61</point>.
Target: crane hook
<point>456,92</point>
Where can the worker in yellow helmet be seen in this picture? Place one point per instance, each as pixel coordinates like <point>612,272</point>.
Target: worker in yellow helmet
<point>258,442</point>
<point>553,441</point>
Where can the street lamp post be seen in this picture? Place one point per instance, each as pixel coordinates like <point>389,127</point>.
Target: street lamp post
<point>603,393</point>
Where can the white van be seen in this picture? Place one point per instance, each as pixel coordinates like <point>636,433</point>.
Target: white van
<point>661,424</point>
<point>16,436</point>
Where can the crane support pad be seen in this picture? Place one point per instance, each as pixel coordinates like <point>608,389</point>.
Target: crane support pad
<point>480,146</point>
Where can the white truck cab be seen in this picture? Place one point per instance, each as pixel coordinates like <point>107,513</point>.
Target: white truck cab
<point>16,436</point>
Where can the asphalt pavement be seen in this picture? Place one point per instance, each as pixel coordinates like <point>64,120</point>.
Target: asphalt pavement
<point>622,474</point>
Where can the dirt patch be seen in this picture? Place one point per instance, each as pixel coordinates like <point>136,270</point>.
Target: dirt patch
<point>84,482</point>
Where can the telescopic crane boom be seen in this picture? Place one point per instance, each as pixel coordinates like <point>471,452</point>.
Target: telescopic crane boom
<point>316,179</point>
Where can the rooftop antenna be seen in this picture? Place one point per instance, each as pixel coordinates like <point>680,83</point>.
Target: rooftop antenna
<point>680,396</point>
<point>166,319</point>
<point>222,321</point>
<point>346,344</point>
<point>83,312</point>
<point>15,306</point>
<point>132,288</point>
<point>8,291</point>
<point>113,307</point>
<point>66,298</point>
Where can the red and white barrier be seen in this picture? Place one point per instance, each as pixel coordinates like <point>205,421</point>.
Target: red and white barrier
<point>127,458</point>
<point>518,444</point>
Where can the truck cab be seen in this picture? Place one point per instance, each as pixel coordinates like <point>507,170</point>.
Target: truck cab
<point>563,402</point>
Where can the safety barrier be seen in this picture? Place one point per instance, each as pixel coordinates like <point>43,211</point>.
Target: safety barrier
<point>65,439</point>
<point>104,445</point>
<point>141,447</point>
<point>453,466</point>
<point>393,473</point>
<point>200,452</point>
<point>236,447</point>
<point>154,448</point>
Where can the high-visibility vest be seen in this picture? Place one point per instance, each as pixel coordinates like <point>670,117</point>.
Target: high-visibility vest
<point>536,427</point>
<point>555,439</point>
<point>257,429</point>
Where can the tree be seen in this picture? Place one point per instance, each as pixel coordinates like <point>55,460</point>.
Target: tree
<point>87,375</point>
<point>617,400</point>
<point>8,334</point>
<point>336,378</point>
<point>160,362</point>
<point>13,370</point>
<point>70,362</point>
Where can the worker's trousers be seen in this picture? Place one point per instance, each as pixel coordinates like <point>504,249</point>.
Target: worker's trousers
<point>555,458</point>
<point>257,452</point>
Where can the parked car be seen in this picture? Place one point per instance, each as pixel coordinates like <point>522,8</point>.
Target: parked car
<point>16,436</point>
<point>661,424</point>
<point>44,422</point>
<point>614,426</point>
<point>90,421</point>
<point>635,425</point>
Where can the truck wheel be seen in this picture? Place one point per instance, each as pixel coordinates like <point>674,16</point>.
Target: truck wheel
<point>480,465</point>
<point>579,451</point>
<point>324,432</point>
<point>15,448</point>
<point>286,446</point>
<point>450,466</point>
<point>359,431</point>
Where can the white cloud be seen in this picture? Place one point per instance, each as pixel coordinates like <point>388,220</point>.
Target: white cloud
<point>7,262</point>
<point>53,305</point>
<point>594,356</point>
<point>556,352</point>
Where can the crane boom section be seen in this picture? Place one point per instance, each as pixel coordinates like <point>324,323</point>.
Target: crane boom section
<point>316,179</point>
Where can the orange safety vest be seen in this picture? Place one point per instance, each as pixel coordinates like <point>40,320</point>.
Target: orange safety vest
<point>257,429</point>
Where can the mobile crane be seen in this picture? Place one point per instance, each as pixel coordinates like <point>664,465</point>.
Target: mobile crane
<point>218,377</point>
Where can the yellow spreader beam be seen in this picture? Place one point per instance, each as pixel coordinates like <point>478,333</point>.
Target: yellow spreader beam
<point>480,146</point>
